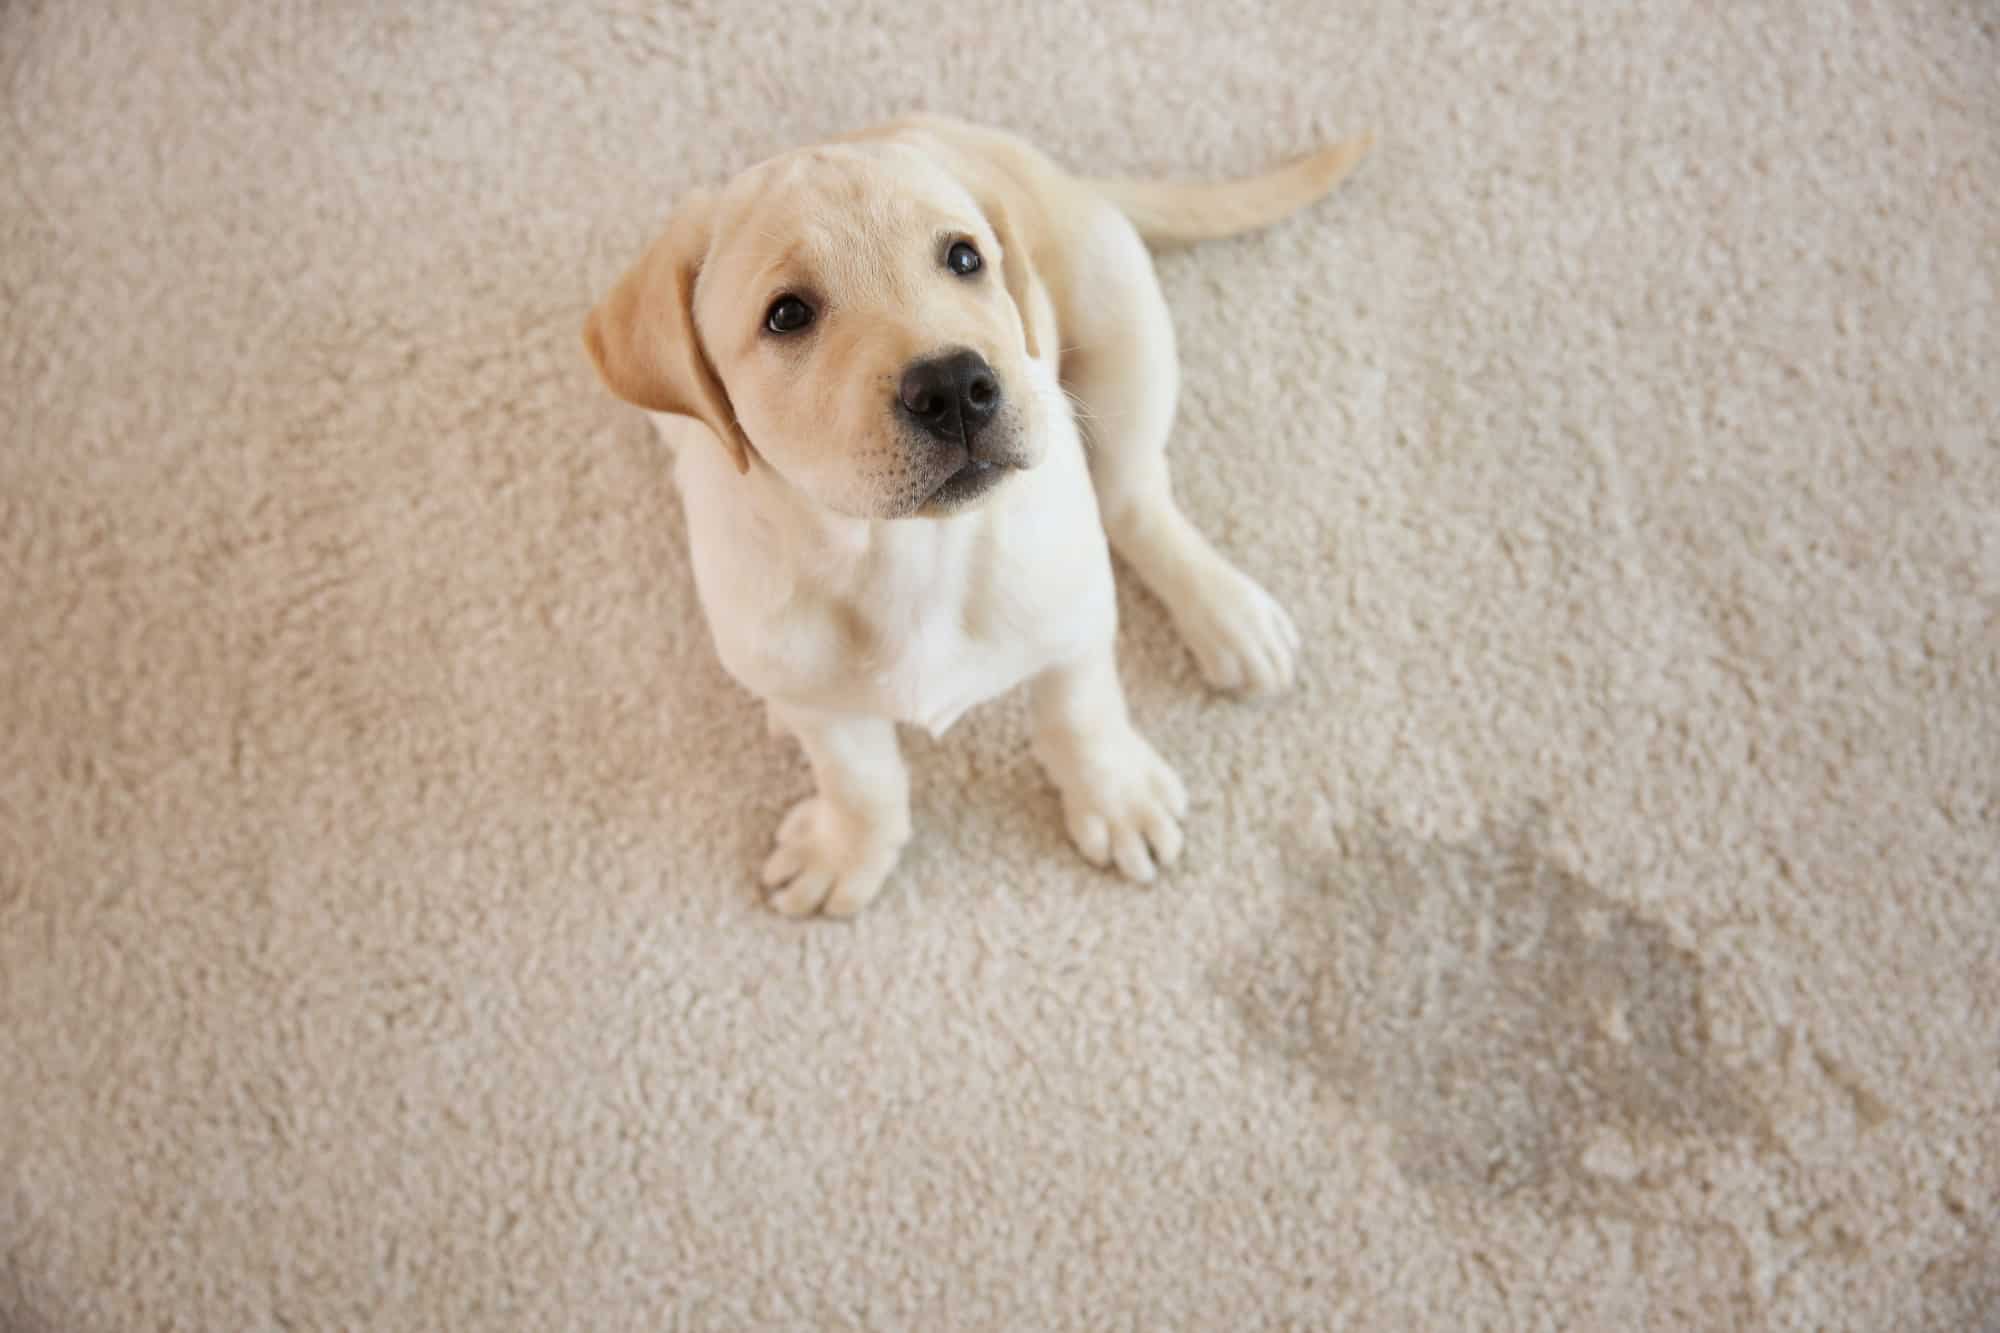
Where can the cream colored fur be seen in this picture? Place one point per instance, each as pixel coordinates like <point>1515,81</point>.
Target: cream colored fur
<point>1600,934</point>
<point>836,586</point>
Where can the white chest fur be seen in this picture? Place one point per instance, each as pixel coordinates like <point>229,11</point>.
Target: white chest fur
<point>916,620</point>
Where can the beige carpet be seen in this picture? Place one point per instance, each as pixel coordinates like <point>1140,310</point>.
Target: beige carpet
<point>1605,936</point>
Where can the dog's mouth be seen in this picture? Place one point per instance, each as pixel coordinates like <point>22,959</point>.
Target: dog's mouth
<point>962,487</point>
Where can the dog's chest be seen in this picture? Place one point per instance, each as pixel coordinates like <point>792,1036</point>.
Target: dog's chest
<point>917,621</point>
<point>924,630</point>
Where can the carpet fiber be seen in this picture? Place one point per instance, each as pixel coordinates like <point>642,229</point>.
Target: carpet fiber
<point>1605,935</point>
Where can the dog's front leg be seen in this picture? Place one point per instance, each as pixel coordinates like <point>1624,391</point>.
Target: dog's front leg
<point>837,846</point>
<point>1121,801</point>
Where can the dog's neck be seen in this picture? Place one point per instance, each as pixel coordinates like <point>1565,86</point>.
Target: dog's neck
<point>808,524</point>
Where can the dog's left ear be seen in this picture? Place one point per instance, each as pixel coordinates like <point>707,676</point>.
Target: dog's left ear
<point>1015,229</point>
<point>643,340</point>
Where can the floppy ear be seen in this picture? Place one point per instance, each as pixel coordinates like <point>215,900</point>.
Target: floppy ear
<point>1015,230</point>
<point>642,335</point>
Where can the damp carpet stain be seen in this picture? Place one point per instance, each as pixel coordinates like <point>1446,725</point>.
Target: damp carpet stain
<point>1518,1030</point>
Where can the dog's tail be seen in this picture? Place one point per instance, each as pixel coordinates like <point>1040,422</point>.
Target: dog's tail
<point>1178,212</point>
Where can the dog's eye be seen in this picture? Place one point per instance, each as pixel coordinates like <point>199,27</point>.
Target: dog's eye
<point>788,314</point>
<point>963,260</point>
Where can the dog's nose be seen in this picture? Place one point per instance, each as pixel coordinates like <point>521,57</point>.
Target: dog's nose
<point>951,396</point>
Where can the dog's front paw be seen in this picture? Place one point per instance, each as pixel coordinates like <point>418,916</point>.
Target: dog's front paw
<point>828,860</point>
<point>1123,805</point>
<point>1241,638</point>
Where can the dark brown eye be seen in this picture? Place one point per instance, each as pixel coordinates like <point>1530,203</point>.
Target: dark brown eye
<point>788,314</point>
<point>963,260</point>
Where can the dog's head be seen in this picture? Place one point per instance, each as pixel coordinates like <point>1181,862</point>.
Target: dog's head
<point>853,315</point>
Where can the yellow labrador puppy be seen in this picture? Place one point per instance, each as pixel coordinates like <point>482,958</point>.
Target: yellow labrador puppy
<point>872,357</point>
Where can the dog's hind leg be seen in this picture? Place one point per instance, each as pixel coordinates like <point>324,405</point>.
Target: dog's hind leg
<point>1119,365</point>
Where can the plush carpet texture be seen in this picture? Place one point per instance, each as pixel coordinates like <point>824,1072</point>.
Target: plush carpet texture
<point>1605,934</point>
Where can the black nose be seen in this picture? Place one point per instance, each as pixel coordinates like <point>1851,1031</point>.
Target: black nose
<point>951,396</point>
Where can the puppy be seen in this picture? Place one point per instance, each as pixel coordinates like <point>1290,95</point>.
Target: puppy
<point>878,361</point>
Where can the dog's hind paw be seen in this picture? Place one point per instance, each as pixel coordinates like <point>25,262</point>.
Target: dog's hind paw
<point>1241,638</point>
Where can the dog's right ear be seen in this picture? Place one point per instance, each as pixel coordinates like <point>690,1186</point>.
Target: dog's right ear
<point>1017,265</point>
<point>642,335</point>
